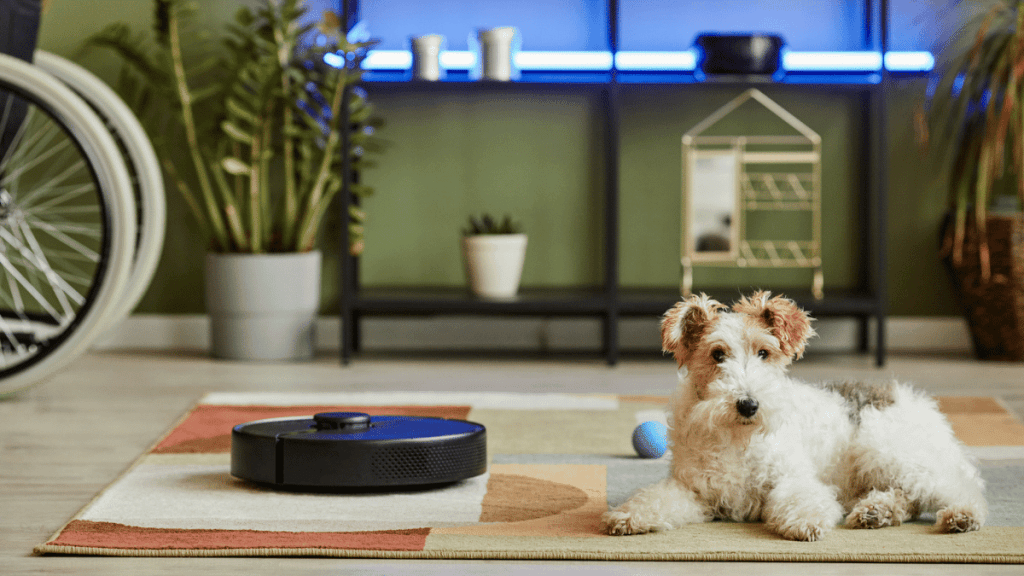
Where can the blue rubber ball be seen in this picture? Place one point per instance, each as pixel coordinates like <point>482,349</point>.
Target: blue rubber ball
<point>650,439</point>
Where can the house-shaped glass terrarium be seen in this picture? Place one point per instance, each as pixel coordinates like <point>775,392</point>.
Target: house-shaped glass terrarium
<point>752,200</point>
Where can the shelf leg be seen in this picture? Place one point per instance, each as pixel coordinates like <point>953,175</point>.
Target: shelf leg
<point>357,334</point>
<point>347,325</point>
<point>818,288</point>
<point>863,334</point>
<point>611,337</point>
<point>880,340</point>
<point>686,282</point>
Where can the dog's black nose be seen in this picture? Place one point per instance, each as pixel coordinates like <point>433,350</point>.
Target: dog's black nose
<point>747,407</point>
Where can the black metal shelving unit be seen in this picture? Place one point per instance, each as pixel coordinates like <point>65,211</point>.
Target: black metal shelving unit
<point>609,301</point>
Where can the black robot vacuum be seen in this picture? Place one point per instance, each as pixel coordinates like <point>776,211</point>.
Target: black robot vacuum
<point>352,450</point>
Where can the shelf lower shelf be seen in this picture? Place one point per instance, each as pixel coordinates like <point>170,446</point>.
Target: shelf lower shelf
<point>553,301</point>
<point>583,302</point>
<point>639,302</point>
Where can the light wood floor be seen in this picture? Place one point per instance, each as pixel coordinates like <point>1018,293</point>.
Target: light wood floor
<point>63,441</point>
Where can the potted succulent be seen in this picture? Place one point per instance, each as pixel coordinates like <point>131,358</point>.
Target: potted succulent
<point>248,130</point>
<point>971,124</point>
<point>493,253</point>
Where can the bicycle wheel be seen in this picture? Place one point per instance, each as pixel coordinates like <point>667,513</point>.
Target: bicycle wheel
<point>143,168</point>
<point>66,224</point>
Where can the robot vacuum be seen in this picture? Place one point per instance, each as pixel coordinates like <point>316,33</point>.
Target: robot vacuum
<point>348,450</point>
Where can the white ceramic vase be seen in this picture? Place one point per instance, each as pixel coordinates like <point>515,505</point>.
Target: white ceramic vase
<point>494,264</point>
<point>497,49</point>
<point>263,307</point>
<point>426,57</point>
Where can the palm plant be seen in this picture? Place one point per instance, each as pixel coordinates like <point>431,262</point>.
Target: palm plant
<point>260,117</point>
<point>973,124</point>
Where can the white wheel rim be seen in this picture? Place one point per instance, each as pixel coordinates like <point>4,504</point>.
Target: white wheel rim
<point>140,155</point>
<point>113,182</point>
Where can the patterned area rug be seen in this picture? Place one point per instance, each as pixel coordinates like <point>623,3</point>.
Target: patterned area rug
<point>556,463</point>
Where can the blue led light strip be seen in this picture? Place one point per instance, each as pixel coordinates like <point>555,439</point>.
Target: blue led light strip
<point>465,60</point>
<point>656,61</point>
<point>831,61</point>
<point>909,61</point>
<point>684,61</point>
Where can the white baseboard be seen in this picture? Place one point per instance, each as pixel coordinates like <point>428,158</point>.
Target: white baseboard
<point>190,332</point>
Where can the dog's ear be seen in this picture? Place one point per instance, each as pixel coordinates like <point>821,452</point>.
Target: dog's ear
<point>685,323</point>
<point>782,317</point>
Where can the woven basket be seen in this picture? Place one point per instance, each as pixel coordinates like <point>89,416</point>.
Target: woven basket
<point>994,309</point>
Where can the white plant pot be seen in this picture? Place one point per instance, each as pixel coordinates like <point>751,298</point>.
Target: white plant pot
<point>263,307</point>
<point>426,57</point>
<point>497,53</point>
<point>494,264</point>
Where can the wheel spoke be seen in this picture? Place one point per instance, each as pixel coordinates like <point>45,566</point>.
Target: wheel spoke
<point>49,185</point>
<point>19,303</point>
<point>87,230</point>
<point>30,289</point>
<point>92,255</point>
<point>19,348</point>
<point>68,255</point>
<point>16,140</point>
<point>35,161</point>
<point>84,210</point>
<point>18,149</point>
<point>68,273</point>
<point>57,283</point>
<point>73,191</point>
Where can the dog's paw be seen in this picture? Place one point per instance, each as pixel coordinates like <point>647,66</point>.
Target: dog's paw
<point>881,508</point>
<point>621,523</point>
<point>871,516</point>
<point>803,531</point>
<point>805,518</point>
<point>957,519</point>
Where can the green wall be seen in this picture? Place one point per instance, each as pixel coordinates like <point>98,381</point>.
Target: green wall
<point>533,155</point>
<point>537,154</point>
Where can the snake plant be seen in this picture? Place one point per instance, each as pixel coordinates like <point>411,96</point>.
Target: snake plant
<point>486,224</point>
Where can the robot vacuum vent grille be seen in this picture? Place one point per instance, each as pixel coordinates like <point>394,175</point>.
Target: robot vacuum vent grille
<point>402,463</point>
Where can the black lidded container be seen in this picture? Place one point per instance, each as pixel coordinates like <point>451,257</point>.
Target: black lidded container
<point>748,54</point>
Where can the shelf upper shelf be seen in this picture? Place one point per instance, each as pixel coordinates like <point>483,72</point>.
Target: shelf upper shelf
<point>862,67</point>
<point>463,77</point>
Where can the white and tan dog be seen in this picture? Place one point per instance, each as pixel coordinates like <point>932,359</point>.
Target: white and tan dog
<point>749,443</point>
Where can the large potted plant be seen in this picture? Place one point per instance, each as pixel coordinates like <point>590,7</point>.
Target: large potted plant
<point>249,131</point>
<point>972,125</point>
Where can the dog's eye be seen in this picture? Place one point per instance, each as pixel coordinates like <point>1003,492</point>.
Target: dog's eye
<point>762,354</point>
<point>718,356</point>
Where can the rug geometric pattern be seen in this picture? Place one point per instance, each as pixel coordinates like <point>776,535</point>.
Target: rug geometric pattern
<point>556,462</point>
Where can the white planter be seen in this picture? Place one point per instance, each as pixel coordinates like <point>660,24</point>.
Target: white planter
<point>263,307</point>
<point>497,50</point>
<point>494,264</point>
<point>426,57</point>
